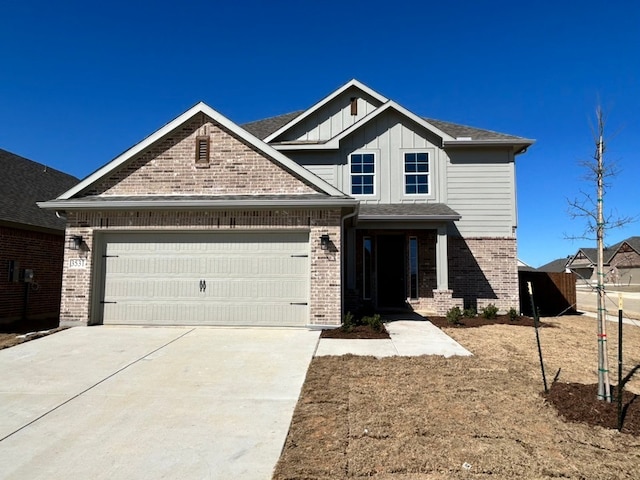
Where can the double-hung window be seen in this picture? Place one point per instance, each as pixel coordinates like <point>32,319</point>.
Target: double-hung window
<point>416,173</point>
<point>363,171</point>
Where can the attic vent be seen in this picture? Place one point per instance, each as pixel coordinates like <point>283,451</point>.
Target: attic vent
<point>354,105</point>
<point>202,150</point>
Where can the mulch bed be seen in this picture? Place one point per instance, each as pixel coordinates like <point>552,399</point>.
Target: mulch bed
<point>366,332</point>
<point>480,321</point>
<point>360,331</point>
<point>577,402</point>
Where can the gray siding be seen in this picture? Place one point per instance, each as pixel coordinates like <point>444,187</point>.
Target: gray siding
<point>331,119</point>
<point>481,188</point>
<point>479,184</point>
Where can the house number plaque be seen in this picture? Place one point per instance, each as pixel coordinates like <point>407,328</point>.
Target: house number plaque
<point>77,263</point>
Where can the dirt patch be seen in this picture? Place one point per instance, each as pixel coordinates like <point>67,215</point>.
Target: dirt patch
<point>25,330</point>
<point>464,417</point>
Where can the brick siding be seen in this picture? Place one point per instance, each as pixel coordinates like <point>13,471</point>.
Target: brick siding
<point>483,271</point>
<point>168,167</point>
<point>41,252</point>
<point>325,282</point>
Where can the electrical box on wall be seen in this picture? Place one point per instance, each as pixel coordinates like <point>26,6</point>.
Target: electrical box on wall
<point>14,271</point>
<point>27,275</point>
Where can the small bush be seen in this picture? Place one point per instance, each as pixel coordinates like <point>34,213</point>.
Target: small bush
<point>490,311</point>
<point>375,322</point>
<point>348,322</point>
<point>469,312</point>
<point>513,314</point>
<point>454,315</point>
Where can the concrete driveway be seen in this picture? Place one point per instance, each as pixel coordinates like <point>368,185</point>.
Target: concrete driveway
<point>150,403</point>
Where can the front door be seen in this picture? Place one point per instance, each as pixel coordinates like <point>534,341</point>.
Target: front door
<point>391,271</point>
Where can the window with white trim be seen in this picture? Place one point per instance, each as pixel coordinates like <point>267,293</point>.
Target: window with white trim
<point>363,172</point>
<point>416,173</point>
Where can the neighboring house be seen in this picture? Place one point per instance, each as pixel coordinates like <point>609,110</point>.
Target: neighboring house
<point>294,220</point>
<point>621,262</point>
<point>31,239</point>
<point>555,266</point>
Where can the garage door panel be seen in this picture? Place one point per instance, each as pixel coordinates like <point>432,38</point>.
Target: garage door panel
<point>251,279</point>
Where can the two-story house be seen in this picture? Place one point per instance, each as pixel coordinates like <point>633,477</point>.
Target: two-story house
<point>294,220</point>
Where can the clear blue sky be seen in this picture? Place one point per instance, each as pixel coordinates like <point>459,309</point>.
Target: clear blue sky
<point>80,82</point>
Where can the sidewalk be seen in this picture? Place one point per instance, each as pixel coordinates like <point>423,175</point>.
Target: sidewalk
<point>409,338</point>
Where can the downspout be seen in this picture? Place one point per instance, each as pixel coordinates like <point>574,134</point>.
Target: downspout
<point>343,241</point>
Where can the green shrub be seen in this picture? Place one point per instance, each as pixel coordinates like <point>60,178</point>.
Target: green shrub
<point>490,311</point>
<point>348,322</point>
<point>454,315</point>
<point>375,322</point>
<point>513,314</point>
<point>469,312</point>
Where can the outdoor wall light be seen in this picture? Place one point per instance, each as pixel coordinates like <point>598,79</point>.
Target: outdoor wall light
<point>325,241</point>
<point>75,242</point>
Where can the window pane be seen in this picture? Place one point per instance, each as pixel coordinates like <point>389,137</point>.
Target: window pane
<point>367,158</point>
<point>366,260</point>
<point>413,266</point>
<point>422,157</point>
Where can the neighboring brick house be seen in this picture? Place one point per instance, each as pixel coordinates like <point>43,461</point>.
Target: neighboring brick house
<point>293,220</point>
<point>30,239</point>
<point>621,262</point>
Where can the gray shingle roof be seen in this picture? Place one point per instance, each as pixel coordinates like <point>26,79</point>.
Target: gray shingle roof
<point>400,211</point>
<point>456,130</point>
<point>26,182</point>
<point>263,128</point>
<point>555,266</point>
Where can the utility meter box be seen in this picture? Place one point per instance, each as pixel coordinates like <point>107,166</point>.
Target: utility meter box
<point>27,275</point>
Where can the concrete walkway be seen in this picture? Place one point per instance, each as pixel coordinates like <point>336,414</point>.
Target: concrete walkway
<point>148,403</point>
<point>408,338</point>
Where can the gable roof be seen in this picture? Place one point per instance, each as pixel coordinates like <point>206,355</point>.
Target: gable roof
<point>352,83</point>
<point>558,265</point>
<point>200,108</point>
<point>26,182</point>
<point>591,254</point>
<point>452,134</point>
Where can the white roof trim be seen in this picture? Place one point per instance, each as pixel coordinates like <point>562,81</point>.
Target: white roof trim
<point>226,123</point>
<point>324,101</point>
<point>334,143</point>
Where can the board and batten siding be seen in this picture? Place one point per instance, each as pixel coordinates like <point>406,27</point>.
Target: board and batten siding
<point>332,119</point>
<point>389,136</point>
<point>481,188</point>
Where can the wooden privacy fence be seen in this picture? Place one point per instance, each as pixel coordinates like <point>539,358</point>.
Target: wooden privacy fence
<point>554,293</point>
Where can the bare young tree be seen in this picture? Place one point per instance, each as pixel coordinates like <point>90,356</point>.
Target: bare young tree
<point>597,223</point>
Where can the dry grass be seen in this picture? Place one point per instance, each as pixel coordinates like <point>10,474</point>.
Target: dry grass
<point>425,417</point>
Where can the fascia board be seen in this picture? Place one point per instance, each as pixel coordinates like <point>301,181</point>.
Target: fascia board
<point>518,143</point>
<point>324,101</point>
<point>178,204</point>
<point>405,218</point>
<point>335,141</point>
<point>226,123</point>
<point>127,154</point>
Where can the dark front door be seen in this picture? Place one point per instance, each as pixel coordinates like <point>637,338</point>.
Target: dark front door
<point>391,271</point>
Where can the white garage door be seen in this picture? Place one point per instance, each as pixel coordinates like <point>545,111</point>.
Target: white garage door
<point>248,278</point>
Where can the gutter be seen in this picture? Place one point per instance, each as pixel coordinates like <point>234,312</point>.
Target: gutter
<point>343,256</point>
<point>178,204</point>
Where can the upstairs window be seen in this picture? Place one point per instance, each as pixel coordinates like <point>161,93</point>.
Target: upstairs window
<point>416,173</point>
<point>363,168</point>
